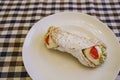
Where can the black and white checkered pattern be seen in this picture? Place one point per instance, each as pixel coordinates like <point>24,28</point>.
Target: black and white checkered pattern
<point>18,16</point>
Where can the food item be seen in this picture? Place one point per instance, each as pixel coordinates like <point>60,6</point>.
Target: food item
<point>89,52</point>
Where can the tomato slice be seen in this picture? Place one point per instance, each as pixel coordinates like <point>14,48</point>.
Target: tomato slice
<point>94,53</point>
<point>47,40</point>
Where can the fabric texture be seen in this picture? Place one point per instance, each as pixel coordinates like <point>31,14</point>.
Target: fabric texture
<point>18,16</point>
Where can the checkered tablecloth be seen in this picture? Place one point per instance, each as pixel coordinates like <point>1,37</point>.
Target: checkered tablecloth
<point>18,16</point>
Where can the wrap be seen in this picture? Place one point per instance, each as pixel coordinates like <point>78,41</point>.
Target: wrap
<point>89,52</point>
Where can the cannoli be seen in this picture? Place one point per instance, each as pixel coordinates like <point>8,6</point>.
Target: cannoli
<point>90,52</point>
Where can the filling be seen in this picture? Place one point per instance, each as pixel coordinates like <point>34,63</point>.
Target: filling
<point>95,54</point>
<point>49,41</point>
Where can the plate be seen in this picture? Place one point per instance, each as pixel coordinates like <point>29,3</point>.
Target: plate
<point>44,64</point>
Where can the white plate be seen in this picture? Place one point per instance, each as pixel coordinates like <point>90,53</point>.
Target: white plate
<point>44,64</point>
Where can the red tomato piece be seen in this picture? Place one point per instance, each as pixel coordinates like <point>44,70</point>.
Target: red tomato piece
<point>94,53</point>
<point>47,40</point>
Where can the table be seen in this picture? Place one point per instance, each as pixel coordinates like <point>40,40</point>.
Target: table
<point>18,16</point>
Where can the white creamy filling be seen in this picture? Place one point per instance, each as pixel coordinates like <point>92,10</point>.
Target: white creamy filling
<point>99,50</point>
<point>52,44</point>
<point>95,61</point>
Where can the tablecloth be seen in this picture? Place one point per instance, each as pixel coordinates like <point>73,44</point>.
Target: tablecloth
<point>18,16</point>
